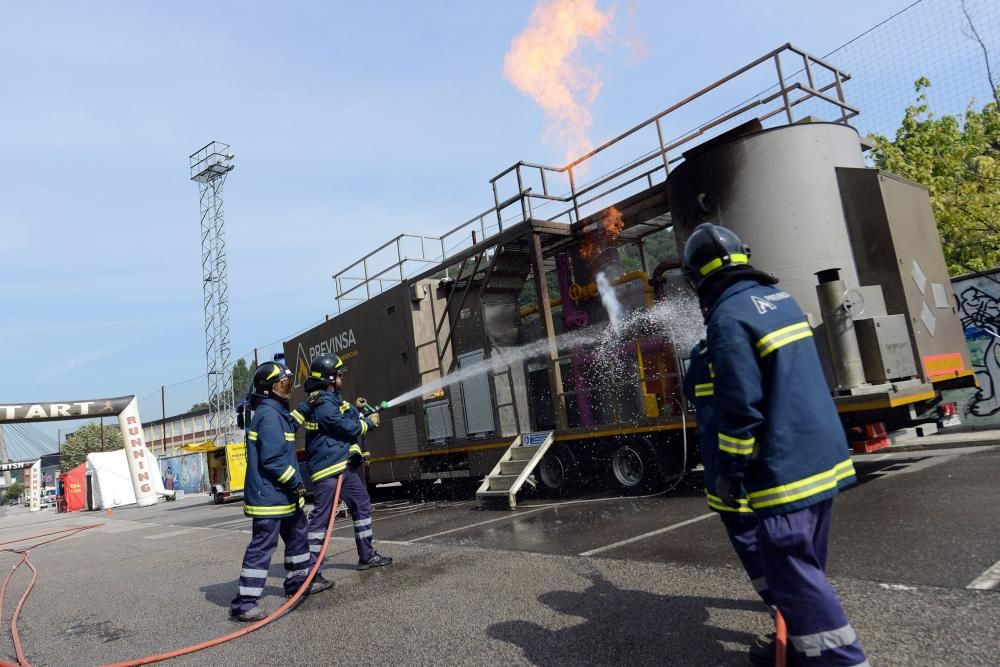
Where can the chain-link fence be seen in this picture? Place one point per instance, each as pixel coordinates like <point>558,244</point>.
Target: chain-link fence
<point>946,41</point>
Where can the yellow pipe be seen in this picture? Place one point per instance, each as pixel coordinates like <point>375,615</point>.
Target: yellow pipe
<point>589,291</point>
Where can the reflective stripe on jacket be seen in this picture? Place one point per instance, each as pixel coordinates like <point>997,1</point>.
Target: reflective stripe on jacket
<point>699,387</point>
<point>778,429</point>
<point>272,469</point>
<point>333,429</point>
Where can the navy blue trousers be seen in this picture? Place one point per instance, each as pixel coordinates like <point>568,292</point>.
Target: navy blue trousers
<point>742,531</point>
<point>793,553</point>
<point>257,559</point>
<point>354,492</point>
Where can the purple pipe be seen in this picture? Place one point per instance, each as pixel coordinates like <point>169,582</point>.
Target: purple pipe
<point>574,318</point>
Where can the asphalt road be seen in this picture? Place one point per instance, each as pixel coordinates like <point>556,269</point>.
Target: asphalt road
<point>591,581</point>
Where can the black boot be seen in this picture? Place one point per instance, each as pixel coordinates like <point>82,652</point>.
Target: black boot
<point>762,650</point>
<point>319,584</point>
<point>378,560</point>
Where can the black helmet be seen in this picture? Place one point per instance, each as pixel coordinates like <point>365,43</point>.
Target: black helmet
<point>325,368</point>
<point>712,248</point>
<point>266,375</point>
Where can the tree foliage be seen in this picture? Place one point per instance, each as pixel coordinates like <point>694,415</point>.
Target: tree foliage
<point>242,377</point>
<point>87,439</point>
<point>959,162</point>
<point>13,492</point>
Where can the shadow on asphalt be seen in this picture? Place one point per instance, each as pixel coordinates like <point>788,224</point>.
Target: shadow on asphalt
<point>869,470</point>
<point>222,594</point>
<point>669,630</point>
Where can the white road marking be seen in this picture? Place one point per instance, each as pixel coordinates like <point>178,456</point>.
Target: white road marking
<point>898,587</point>
<point>988,580</point>
<point>652,533</point>
<point>512,515</point>
<point>172,533</point>
<point>334,538</point>
<point>120,526</point>
<point>422,508</point>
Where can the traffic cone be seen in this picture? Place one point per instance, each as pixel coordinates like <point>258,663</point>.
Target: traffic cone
<point>109,511</point>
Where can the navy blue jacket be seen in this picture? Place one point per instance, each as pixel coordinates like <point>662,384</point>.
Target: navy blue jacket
<point>699,387</point>
<point>272,469</point>
<point>333,429</point>
<point>779,432</point>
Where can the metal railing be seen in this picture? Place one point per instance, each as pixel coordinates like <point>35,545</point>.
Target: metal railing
<point>788,93</point>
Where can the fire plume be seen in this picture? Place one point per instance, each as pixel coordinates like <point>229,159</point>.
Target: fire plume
<point>608,227</point>
<point>542,63</point>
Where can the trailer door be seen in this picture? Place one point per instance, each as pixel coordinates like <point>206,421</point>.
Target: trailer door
<point>476,397</point>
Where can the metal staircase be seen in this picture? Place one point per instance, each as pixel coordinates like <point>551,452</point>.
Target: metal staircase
<point>513,468</point>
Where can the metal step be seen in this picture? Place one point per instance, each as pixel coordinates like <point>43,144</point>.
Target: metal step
<point>502,482</point>
<point>522,453</point>
<point>514,466</point>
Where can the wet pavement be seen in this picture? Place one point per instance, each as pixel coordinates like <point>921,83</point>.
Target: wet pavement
<point>595,580</point>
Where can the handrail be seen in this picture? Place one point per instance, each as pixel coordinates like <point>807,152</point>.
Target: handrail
<point>784,90</point>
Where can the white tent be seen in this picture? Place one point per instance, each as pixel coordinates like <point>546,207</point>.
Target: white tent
<point>111,480</point>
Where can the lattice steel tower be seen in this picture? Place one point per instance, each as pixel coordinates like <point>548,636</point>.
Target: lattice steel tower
<point>209,167</point>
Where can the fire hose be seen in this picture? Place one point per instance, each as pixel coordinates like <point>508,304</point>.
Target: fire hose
<point>148,660</point>
<point>18,651</point>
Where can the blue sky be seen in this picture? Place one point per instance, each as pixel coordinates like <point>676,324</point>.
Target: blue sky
<point>351,122</point>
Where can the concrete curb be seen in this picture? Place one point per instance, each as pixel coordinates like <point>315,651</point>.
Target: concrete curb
<point>911,446</point>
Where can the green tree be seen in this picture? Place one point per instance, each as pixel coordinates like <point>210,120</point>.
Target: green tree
<point>959,162</point>
<point>242,376</point>
<point>14,491</point>
<point>87,439</point>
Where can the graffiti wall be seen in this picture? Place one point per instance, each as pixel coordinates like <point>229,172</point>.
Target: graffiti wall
<point>186,472</point>
<point>979,306</point>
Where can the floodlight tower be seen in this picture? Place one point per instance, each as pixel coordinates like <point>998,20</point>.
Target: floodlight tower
<point>209,167</point>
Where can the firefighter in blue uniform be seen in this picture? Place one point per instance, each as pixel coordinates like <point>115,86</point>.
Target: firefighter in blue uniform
<point>334,429</point>
<point>779,437</point>
<point>740,522</point>
<point>274,495</point>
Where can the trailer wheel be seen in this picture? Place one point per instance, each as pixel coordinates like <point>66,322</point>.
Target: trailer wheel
<point>636,467</point>
<point>557,471</point>
<point>218,498</point>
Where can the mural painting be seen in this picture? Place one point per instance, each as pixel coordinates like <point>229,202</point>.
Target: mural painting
<point>979,306</point>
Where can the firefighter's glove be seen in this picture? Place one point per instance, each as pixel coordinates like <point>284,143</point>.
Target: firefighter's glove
<point>728,491</point>
<point>313,399</point>
<point>300,492</point>
<point>374,419</point>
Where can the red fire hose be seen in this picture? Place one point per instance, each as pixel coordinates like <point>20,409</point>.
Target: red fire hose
<point>23,662</point>
<point>780,639</point>
<point>262,622</point>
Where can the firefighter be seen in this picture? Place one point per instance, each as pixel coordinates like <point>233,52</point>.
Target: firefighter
<point>739,522</point>
<point>779,437</point>
<point>274,495</point>
<point>334,428</point>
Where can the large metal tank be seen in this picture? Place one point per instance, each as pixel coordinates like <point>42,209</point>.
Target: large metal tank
<point>778,190</point>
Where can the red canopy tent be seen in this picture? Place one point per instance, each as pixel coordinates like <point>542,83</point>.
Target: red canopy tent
<point>75,488</point>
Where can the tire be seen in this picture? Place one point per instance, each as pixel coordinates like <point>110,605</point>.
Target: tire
<point>218,498</point>
<point>558,472</point>
<point>636,467</point>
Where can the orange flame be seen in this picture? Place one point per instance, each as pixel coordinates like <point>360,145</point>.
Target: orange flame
<point>541,64</point>
<point>610,226</point>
